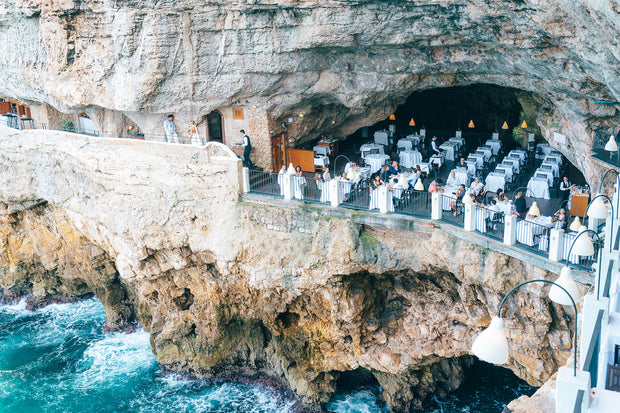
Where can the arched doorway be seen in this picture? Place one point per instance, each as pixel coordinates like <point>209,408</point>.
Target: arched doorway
<point>215,132</point>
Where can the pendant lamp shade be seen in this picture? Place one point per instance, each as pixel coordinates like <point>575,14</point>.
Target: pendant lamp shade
<point>392,117</point>
<point>291,169</point>
<point>412,122</point>
<point>566,281</point>
<point>534,211</point>
<point>467,199</point>
<point>583,246</point>
<point>598,208</point>
<point>611,144</point>
<point>491,345</point>
<point>575,225</point>
<point>505,125</point>
<point>524,125</point>
<point>471,124</point>
<point>419,186</point>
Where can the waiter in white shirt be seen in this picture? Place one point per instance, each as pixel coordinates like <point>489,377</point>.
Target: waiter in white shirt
<point>565,188</point>
<point>434,145</point>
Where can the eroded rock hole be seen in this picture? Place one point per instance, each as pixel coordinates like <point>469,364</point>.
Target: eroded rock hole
<point>287,320</point>
<point>184,300</point>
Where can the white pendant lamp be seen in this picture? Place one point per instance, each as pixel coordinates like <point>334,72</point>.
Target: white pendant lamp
<point>611,144</point>
<point>467,199</point>
<point>582,245</point>
<point>566,281</point>
<point>491,345</point>
<point>534,211</point>
<point>419,186</point>
<point>575,225</point>
<point>598,208</point>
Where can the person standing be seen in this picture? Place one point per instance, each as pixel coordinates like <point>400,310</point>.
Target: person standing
<point>565,188</point>
<point>194,137</point>
<point>434,147</point>
<point>171,130</point>
<point>247,144</point>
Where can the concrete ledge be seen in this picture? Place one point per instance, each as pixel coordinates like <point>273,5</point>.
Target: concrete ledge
<point>410,223</point>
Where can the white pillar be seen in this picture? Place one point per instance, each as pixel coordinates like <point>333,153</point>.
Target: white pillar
<point>436,210</point>
<point>245,173</point>
<point>334,193</point>
<point>572,394</point>
<point>469,223</point>
<point>510,229</point>
<point>556,244</point>
<point>287,183</point>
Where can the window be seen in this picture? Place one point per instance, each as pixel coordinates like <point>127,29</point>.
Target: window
<point>238,113</point>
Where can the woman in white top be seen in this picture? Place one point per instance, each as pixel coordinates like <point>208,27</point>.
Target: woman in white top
<point>194,137</point>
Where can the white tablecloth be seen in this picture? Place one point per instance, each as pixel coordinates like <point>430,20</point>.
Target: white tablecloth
<point>377,195</point>
<point>382,137</point>
<point>478,158</point>
<point>344,186</point>
<point>366,149</point>
<point>376,162</point>
<point>515,157</point>
<point>530,233</point>
<point>448,197</point>
<point>506,171</point>
<point>409,159</point>
<point>520,154</point>
<point>462,176</point>
<point>485,152</point>
<point>437,159</point>
<point>405,144</point>
<point>449,148</point>
<point>544,148</point>
<point>554,167</point>
<point>484,216</point>
<point>321,161</point>
<point>362,172</point>
<point>545,173</point>
<point>324,188</point>
<point>322,150</point>
<point>495,181</point>
<point>506,207</point>
<point>539,187</point>
<point>553,159</point>
<point>459,141</point>
<point>514,162</point>
<point>495,146</point>
<point>425,167</point>
<point>415,139</point>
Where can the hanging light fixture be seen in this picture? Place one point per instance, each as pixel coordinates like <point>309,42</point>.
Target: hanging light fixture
<point>412,122</point>
<point>575,225</point>
<point>471,124</point>
<point>524,125</point>
<point>566,281</point>
<point>392,117</point>
<point>611,145</point>
<point>491,345</point>
<point>419,186</point>
<point>505,125</point>
<point>598,208</point>
<point>534,211</point>
<point>467,198</point>
<point>583,245</point>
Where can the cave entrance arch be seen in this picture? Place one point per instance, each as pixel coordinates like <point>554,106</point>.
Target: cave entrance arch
<point>215,130</point>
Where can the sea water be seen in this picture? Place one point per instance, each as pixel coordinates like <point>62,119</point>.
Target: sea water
<point>57,359</point>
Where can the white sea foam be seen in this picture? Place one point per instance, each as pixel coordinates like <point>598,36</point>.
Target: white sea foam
<point>15,308</point>
<point>361,401</point>
<point>114,359</point>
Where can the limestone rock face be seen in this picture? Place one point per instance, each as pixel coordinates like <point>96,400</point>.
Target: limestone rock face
<point>342,63</point>
<point>157,232</point>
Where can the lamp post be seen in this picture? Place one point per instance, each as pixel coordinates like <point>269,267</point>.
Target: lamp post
<point>492,346</point>
<point>335,160</point>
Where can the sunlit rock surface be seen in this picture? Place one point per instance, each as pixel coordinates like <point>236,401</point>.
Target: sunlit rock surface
<point>158,233</point>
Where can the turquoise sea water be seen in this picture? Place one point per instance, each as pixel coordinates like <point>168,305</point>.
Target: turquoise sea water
<point>57,359</point>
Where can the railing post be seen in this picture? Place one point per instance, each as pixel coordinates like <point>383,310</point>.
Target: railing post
<point>436,210</point>
<point>334,193</point>
<point>287,183</point>
<point>594,319</point>
<point>572,392</point>
<point>608,263</point>
<point>510,229</point>
<point>469,223</point>
<point>556,244</point>
<point>246,180</point>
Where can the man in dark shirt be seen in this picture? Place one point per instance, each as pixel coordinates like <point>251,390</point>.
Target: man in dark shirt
<point>394,171</point>
<point>461,164</point>
<point>520,204</point>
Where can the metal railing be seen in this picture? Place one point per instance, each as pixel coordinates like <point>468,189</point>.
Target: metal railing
<point>533,237</point>
<point>599,140</point>
<point>490,222</point>
<point>581,262</point>
<point>412,202</point>
<point>268,183</point>
<point>354,195</point>
<point>316,190</point>
<point>453,210</point>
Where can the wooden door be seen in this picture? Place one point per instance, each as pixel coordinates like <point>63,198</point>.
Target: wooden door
<point>277,148</point>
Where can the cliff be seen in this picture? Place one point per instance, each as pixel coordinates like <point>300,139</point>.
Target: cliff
<point>159,234</point>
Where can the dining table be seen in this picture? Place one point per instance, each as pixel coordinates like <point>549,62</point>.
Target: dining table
<point>495,181</point>
<point>478,158</point>
<point>539,187</point>
<point>377,195</point>
<point>496,146</point>
<point>376,161</point>
<point>448,197</point>
<point>383,137</point>
<point>545,173</point>
<point>450,149</point>
<point>414,139</point>
<point>409,159</point>
<point>544,148</point>
<point>459,141</point>
<point>554,167</point>
<point>534,231</point>
<point>506,207</point>
<point>462,176</point>
<point>367,148</point>
<point>516,165</point>
<point>437,159</point>
<point>486,153</point>
<point>506,170</point>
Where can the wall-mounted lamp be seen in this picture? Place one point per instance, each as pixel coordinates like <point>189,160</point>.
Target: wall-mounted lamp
<point>301,115</point>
